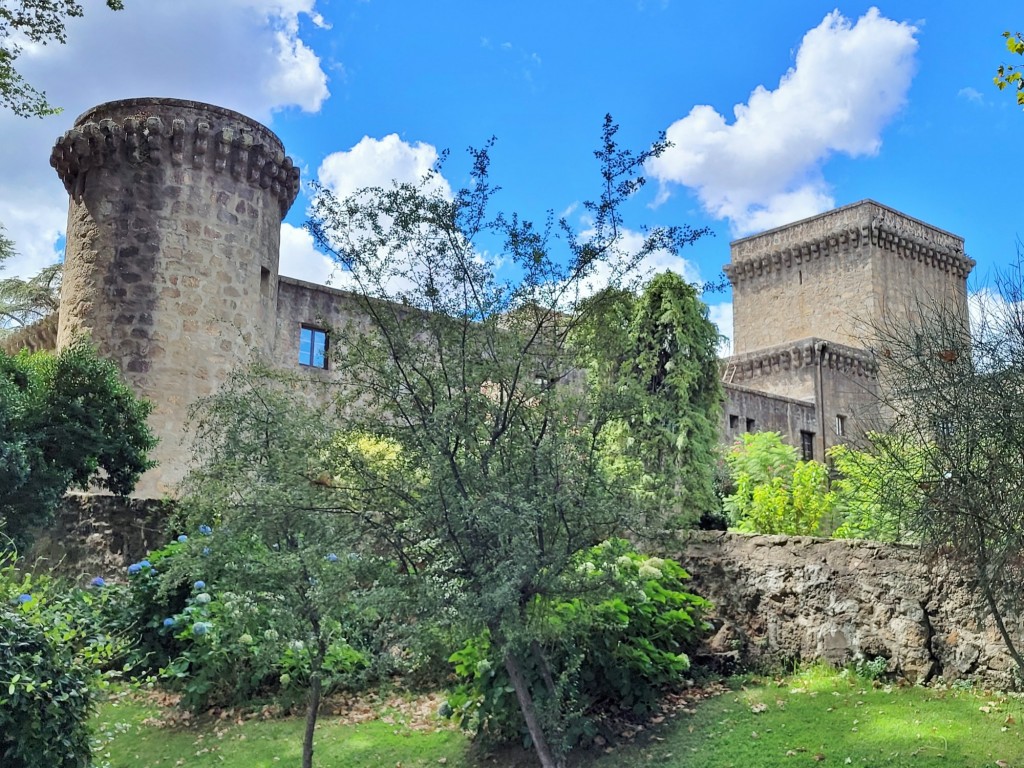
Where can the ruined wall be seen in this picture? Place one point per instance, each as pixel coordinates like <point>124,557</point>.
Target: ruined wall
<point>97,535</point>
<point>779,600</point>
<point>840,275</point>
<point>172,250</point>
<point>38,337</point>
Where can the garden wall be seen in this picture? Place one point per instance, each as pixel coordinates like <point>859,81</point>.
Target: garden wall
<point>785,599</point>
<point>98,535</point>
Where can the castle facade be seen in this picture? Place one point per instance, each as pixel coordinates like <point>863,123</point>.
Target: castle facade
<point>172,257</point>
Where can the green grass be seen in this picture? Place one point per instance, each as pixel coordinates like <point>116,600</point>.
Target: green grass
<point>817,717</point>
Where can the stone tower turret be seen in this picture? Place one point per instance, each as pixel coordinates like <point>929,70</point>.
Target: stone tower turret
<point>172,249</point>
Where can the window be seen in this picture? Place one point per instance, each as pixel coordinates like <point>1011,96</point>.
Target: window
<point>806,445</point>
<point>313,347</point>
<point>751,425</point>
<point>734,421</point>
<point>840,425</point>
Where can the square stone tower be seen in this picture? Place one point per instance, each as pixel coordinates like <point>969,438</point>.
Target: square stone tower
<point>807,300</point>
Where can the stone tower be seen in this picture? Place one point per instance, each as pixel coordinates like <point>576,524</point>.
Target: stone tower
<point>808,298</point>
<point>840,275</point>
<point>172,249</point>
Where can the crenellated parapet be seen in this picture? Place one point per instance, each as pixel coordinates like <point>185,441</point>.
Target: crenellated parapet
<point>806,353</point>
<point>861,225</point>
<point>180,134</point>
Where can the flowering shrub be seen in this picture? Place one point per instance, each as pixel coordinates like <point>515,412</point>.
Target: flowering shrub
<point>616,634</point>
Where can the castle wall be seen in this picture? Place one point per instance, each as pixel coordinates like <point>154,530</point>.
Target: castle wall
<point>750,410</point>
<point>40,336</point>
<point>172,250</point>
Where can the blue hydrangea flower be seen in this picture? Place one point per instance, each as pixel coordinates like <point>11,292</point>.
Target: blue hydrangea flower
<point>134,568</point>
<point>206,551</point>
<point>24,598</point>
<point>332,558</point>
<point>169,622</point>
<point>200,584</point>
<point>182,539</point>
<point>205,530</point>
<point>201,627</point>
<point>145,563</point>
<point>98,582</point>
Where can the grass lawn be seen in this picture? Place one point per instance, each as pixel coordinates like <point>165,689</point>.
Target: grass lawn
<point>817,717</point>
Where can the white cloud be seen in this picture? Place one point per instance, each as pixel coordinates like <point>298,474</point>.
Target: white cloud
<point>246,55</point>
<point>301,259</point>
<point>971,94</point>
<point>379,163</point>
<point>765,168</point>
<point>721,316</point>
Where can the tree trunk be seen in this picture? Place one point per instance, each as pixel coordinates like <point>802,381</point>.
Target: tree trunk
<point>311,714</point>
<point>540,742</point>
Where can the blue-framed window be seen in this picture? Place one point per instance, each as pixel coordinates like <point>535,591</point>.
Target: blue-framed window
<point>312,347</point>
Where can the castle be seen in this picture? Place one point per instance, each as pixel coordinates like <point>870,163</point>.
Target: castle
<point>172,258</point>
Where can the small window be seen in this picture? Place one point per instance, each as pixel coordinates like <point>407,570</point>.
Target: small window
<point>840,425</point>
<point>313,347</point>
<point>806,445</point>
<point>265,282</point>
<point>751,425</point>
<point>734,421</point>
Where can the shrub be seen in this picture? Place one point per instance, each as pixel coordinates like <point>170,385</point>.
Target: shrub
<point>45,700</point>
<point>616,635</point>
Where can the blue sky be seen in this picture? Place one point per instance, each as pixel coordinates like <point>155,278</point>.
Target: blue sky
<point>777,110</point>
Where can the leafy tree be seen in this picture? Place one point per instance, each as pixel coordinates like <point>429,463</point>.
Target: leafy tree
<point>774,491</point>
<point>954,391</point>
<point>38,22</point>
<point>273,528</point>
<point>23,302</point>
<point>512,449</point>
<point>874,488</point>
<point>1009,75</point>
<point>66,421</point>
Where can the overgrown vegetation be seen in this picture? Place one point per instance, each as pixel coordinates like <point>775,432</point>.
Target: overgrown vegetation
<point>67,420</point>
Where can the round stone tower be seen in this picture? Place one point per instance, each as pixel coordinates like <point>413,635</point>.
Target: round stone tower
<point>172,253</point>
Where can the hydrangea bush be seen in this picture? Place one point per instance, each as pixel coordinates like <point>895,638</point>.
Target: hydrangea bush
<point>615,632</point>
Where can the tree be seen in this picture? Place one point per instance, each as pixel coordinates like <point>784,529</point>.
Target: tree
<point>23,302</point>
<point>774,491</point>
<point>38,22</point>
<point>265,491</point>
<point>955,391</point>
<point>66,421</point>
<point>513,450</point>
<point>1009,75</point>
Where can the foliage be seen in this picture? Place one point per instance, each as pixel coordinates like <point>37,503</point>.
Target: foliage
<point>37,22</point>
<point>618,636</point>
<point>952,383</point>
<point>278,553</point>
<point>654,358</point>
<point>1009,75</point>
<point>66,421</point>
<point>874,488</point>
<point>476,381</point>
<point>774,491</point>
<point>57,642</point>
<point>24,301</point>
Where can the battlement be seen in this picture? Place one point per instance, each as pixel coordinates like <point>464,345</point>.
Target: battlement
<point>806,353</point>
<point>186,134</point>
<point>859,225</point>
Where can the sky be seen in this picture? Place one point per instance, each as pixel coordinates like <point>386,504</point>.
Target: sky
<point>776,111</point>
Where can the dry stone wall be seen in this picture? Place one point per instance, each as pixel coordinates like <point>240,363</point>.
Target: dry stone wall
<point>786,599</point>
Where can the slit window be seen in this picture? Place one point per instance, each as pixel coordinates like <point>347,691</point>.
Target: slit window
<point>313,347</point>
<point>840,425</point>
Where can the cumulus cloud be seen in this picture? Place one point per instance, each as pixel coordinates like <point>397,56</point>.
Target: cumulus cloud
<point>247,55</point>
<point>301,259</point>
<point>378,163</point>
<point>765,167</point>
<point>721,316</point>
